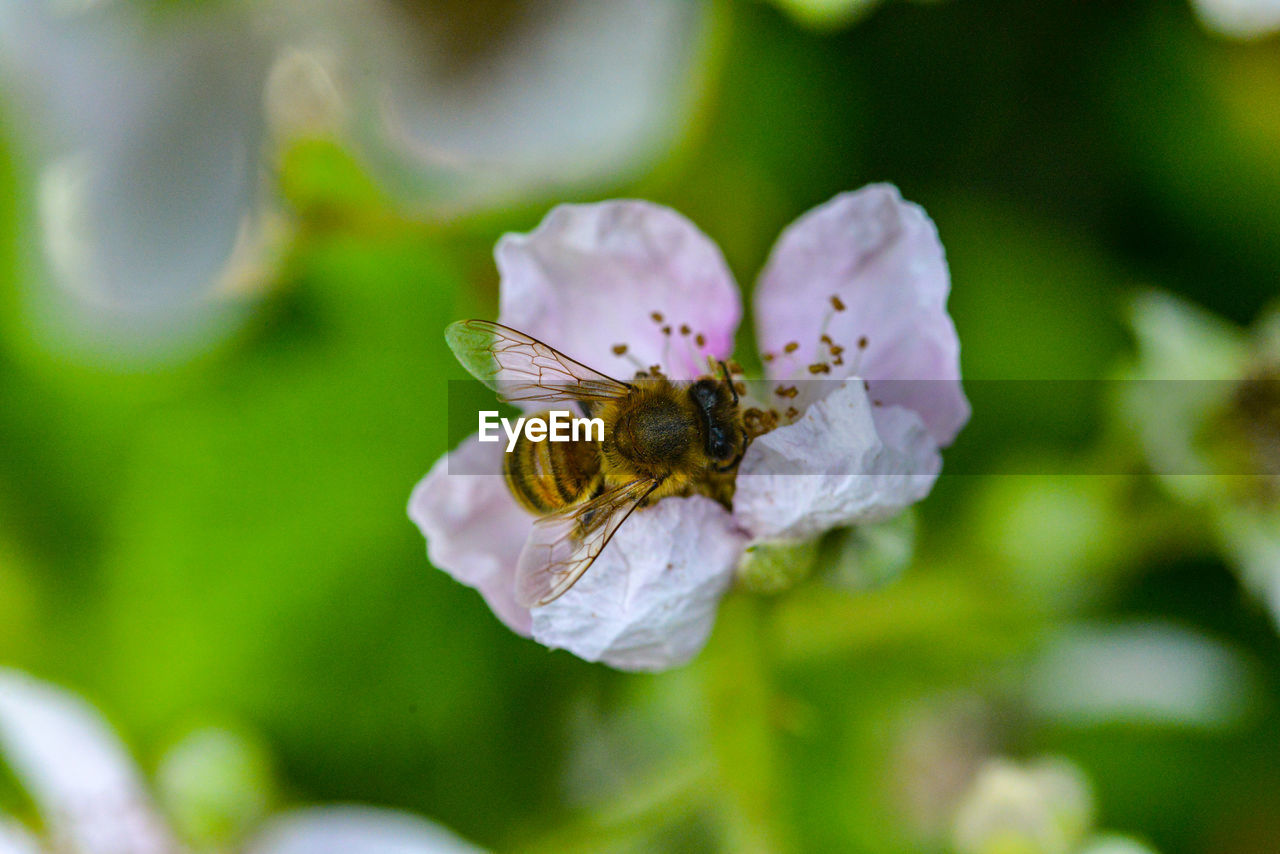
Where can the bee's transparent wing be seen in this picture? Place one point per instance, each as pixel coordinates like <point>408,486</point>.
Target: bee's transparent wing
<point>520,368</point>
<point>563,545</point>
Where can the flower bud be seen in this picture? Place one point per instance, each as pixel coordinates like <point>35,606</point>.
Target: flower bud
<point>776,565</point>
<point>215,784</point>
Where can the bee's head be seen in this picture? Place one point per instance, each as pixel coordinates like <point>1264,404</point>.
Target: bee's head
<point>725,441</point>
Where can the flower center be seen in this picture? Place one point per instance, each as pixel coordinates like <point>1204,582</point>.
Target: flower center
<point>828,354</point>
<point>679,339</point>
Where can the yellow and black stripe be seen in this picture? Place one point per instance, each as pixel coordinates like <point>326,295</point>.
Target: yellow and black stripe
<point>549,476</point>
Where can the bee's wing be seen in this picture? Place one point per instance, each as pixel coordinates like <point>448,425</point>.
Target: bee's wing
<point>564,544</point>
<point>520,368</point>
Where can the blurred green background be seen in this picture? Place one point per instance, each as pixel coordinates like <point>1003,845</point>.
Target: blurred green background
<point>218,533</point>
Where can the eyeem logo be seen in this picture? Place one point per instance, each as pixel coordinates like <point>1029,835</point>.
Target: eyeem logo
<point>560,425</point>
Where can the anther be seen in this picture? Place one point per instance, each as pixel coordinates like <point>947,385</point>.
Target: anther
<point>666,330</point>
<point>862,343</point>
<point>684,329</point>
<point>820,368</point>
<point>656,316</point>
<point>735,368</point>
<point>837,303</point>
<point>792,413</point>
<point>768,357</point>
<point>788,391</point>
<point>791,347</point>
<point>700,340</point>
<point>619,349</point>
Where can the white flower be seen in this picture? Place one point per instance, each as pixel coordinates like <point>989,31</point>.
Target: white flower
<point>1203,399</point>
<point>1243,19</point>
<point>857,286</point>
<point>92,799</point>
<point>144,132</point>
<point>457,109</point>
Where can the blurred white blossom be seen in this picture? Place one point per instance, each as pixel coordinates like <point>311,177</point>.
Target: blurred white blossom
<point>458,103</point>
<point>148,129</point>
<point>1045,806</point>
<point>1243,19</point>
<point>1202,398</point>
<point>143,129</point>
<point>92,799</point>
<point>1143,672</point>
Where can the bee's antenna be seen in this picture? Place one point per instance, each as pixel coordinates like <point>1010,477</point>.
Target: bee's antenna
<point>728,378</point>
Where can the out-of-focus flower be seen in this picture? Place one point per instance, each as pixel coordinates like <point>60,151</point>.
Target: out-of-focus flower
<point>855,291</point>
<point>144,130</point>
<point>458,103</point>
<point>91,798</point>
<point>1203,399</point>
<point>1242,19</point>
<point>1140,672</point>
<point>1042,807</point>
<point>215,784</point>
<point>147,127</point>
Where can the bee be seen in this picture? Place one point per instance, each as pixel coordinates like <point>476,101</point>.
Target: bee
<point>661,438</point>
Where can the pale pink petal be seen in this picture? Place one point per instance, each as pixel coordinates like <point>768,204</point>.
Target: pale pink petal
<point>14,839</point>
<point>649,600</point>
<point>355,830</point>
<point>76,771</point>
<point>844,462</point>
<point>474,527</point>
<point>590,277</point>
<point>881,256</point>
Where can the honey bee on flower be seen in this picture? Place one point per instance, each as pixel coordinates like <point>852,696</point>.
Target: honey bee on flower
<point>861,389</point>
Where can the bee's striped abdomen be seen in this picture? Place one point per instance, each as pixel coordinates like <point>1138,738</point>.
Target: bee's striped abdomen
<point>549,476</point>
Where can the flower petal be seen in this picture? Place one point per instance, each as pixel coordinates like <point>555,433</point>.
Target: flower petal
<point>150,179</point>
<point>458,109</point>
<point>15,839</point>
<point>844,462</point>
<point>348,829</point>
<point>76,771</point>
<point>474,527</point>
<point>882,258</point>
<point>649,600</point>
<point>590,277</point>
<point>1241,19</point>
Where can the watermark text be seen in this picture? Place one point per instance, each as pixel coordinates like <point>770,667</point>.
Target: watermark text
<point>559,425</point>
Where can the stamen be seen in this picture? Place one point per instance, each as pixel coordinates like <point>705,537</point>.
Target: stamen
<point>655,370</point>
<point>684,329</point>
<point>656,316</point>
<point>862,343</point>
<point>700,340</point>
<point>837,303</point>
<point>791,347</point>
<point>787,391</point>
<point>666,330</point>
<point>820,368</point>
<point>623,351</point>
<point>792,413</point>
